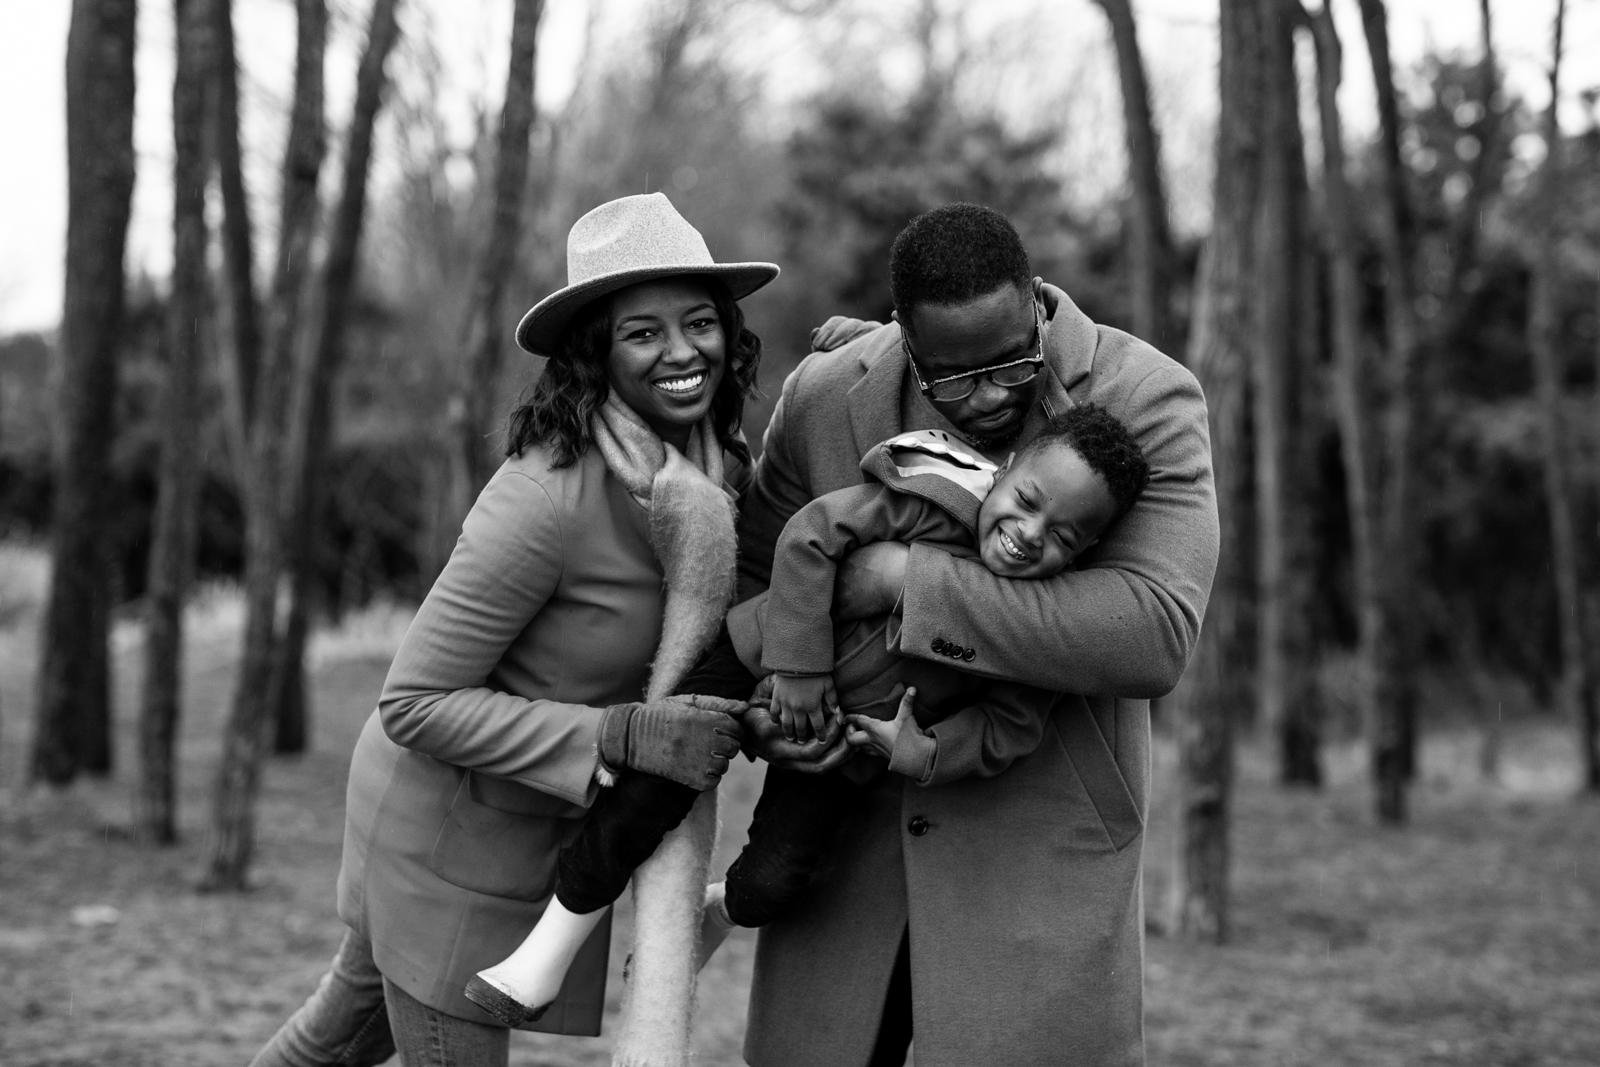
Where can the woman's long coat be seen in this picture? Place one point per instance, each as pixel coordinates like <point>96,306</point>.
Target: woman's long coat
<point>480,759</point>
<point>1020,893</point>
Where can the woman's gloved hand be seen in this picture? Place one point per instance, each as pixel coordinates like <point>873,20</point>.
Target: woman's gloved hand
<point>685,739</point>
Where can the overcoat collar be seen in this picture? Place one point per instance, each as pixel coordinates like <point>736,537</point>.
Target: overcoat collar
<point>1069,347</point>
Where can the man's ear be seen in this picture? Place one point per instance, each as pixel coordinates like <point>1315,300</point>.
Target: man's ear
<point>1005,466</point>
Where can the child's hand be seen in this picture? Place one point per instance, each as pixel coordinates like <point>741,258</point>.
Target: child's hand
<point>806,705</point>
<point>877,735</point>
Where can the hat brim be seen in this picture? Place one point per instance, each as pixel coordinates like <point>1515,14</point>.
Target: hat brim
<point>541,328</point>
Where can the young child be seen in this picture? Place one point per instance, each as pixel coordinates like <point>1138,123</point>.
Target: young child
<point>1027,518</point>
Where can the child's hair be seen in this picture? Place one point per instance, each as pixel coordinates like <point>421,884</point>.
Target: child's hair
<point>1105,445</point>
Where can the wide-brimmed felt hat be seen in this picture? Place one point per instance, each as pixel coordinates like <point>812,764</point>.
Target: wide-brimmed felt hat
<point>622,242</point>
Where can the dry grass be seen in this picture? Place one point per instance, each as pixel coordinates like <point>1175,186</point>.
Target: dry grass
<point>1470,937</point>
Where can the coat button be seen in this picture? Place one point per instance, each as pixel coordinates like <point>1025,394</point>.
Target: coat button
<point>939,646</point>
<point>918,826</point>
<point>968,653</point>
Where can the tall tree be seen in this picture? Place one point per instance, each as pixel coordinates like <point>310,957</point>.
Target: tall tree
<point>240,310</point>
<point>176,515</point>
<point>1287,694</point>
<point>264,339</point>
<point>1393,736</point>
<point>1578,689</point>
<point>1219,347</point>
<point>262,473</point>
<point>73,724</point>
<point>1486,130</point>
<point>311,406</point>
<point>485,334</point>
<point>1589,735</point>
<point>1151,253</point>
<point>1352,400</point>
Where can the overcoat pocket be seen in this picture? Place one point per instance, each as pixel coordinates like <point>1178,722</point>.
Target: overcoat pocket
<point>501,838</point>
<point>1078,734</point>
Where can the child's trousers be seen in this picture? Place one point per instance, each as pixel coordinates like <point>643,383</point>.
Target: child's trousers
<point>628,820</point>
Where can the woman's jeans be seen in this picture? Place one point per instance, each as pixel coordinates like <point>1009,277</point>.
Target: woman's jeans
<point>355,1019</point>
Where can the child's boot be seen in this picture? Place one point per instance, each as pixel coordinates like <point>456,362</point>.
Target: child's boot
<point>519,988</point>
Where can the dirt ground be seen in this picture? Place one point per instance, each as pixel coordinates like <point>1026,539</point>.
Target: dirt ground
<point>1471,936</point>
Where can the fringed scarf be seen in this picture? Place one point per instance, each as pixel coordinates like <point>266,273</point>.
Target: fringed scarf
<point>692,533</point>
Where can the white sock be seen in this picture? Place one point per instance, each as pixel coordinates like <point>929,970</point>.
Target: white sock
<point>534,972</point>
<point>715,922</point>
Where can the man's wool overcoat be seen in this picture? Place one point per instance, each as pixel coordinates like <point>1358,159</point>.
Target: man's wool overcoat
<point>1020,893</point>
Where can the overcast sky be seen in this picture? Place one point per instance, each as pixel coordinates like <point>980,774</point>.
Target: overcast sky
<point>471,39</point>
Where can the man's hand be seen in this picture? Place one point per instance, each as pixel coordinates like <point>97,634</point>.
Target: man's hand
<point>763,739</point>
<point>806,704</point>
<point>839,331</point>
<point>870,580</point>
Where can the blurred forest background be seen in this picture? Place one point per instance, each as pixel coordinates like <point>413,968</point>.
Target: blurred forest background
<point>237,464</point>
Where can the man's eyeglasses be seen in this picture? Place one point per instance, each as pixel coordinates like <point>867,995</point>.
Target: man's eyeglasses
<point>1008,375</point>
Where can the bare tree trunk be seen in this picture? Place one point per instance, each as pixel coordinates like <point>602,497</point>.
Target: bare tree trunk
<point>311,411</point>
<point>176,515</point>
<point>1393,736</point>
<point>1216,683</point>
<point>238,775</point>
<point>1589,724</point>
<point>485,333</point>
<point>1468,223</point>
<point>73,711</point>
<point>285,692</point>
<point>1151,244</point>
<point>1351,400</point>
<point>1286,682</point>
<point>1549,374</point>
<point>243,316</point>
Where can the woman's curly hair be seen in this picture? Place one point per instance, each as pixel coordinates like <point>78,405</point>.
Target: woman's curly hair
<point>575,383</point>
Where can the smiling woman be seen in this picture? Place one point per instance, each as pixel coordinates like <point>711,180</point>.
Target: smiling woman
<point>529,711</point>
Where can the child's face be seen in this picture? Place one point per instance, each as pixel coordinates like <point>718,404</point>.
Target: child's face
<point>1045,508</point>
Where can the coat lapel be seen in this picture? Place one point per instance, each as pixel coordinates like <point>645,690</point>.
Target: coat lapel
<point>873,403</point>
<point>1069,344</point>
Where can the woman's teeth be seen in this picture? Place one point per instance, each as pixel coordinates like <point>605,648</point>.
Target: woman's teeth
<point>680,385</point>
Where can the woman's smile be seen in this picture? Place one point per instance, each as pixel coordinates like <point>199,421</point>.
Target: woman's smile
<point>682,386</point>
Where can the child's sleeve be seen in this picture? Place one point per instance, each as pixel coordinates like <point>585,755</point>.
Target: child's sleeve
<point>979,741</point>
<point>797,632</point>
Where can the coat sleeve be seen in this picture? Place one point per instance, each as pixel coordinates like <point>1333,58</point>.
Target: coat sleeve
<point>798,626</point>
<point>440,698</point>
<point>981,740</point>
<point>1125,622</point>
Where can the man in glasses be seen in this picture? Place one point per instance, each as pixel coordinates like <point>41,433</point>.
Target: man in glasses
<point>990,919</point>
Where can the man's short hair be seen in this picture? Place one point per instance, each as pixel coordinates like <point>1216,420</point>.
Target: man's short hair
<point>1105,445</point>
<point>954,253</point>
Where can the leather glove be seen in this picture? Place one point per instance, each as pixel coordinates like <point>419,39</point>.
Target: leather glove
<point>686,739</point>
